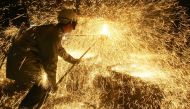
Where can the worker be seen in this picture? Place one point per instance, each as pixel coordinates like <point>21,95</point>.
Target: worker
<point>32,58</point>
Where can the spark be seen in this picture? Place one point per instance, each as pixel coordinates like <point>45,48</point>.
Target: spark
<point>22,62</point>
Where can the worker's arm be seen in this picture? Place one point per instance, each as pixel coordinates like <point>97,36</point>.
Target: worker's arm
<point>50,70</point>
<point>48,54</point>
<point>67,57</point>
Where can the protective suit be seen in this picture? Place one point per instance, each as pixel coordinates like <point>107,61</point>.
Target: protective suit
<point>35,52</point>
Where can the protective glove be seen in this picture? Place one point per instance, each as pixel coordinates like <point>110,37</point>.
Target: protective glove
<point>52,85</point>
<point>54,88</point>
<point>76,61</point>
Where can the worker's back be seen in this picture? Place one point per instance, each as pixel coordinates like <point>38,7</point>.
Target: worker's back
<point>34,49</point>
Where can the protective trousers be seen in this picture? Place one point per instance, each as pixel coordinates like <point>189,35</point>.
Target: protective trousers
<point>35,98</point>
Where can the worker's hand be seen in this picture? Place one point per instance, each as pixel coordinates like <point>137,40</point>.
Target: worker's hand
<point>52,84</point>
<point>54,88</point>
<point>76,61</point>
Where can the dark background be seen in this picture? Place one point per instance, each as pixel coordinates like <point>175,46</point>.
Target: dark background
<point>10,9</point>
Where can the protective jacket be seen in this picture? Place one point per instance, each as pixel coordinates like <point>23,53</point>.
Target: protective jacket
<point>35,51</point>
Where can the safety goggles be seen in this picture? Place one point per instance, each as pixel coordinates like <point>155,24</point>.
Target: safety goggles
<point>71,21</point>
<point>74,23</point>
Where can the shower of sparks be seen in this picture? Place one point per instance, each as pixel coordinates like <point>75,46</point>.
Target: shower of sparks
<point>143,42</point>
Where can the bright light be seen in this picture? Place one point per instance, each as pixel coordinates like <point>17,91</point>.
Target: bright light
<point>105,30</point>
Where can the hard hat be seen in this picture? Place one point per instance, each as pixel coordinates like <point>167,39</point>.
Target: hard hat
<point>66,16</point>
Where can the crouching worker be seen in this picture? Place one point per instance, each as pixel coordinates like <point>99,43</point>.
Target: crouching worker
<point>35,54</point>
